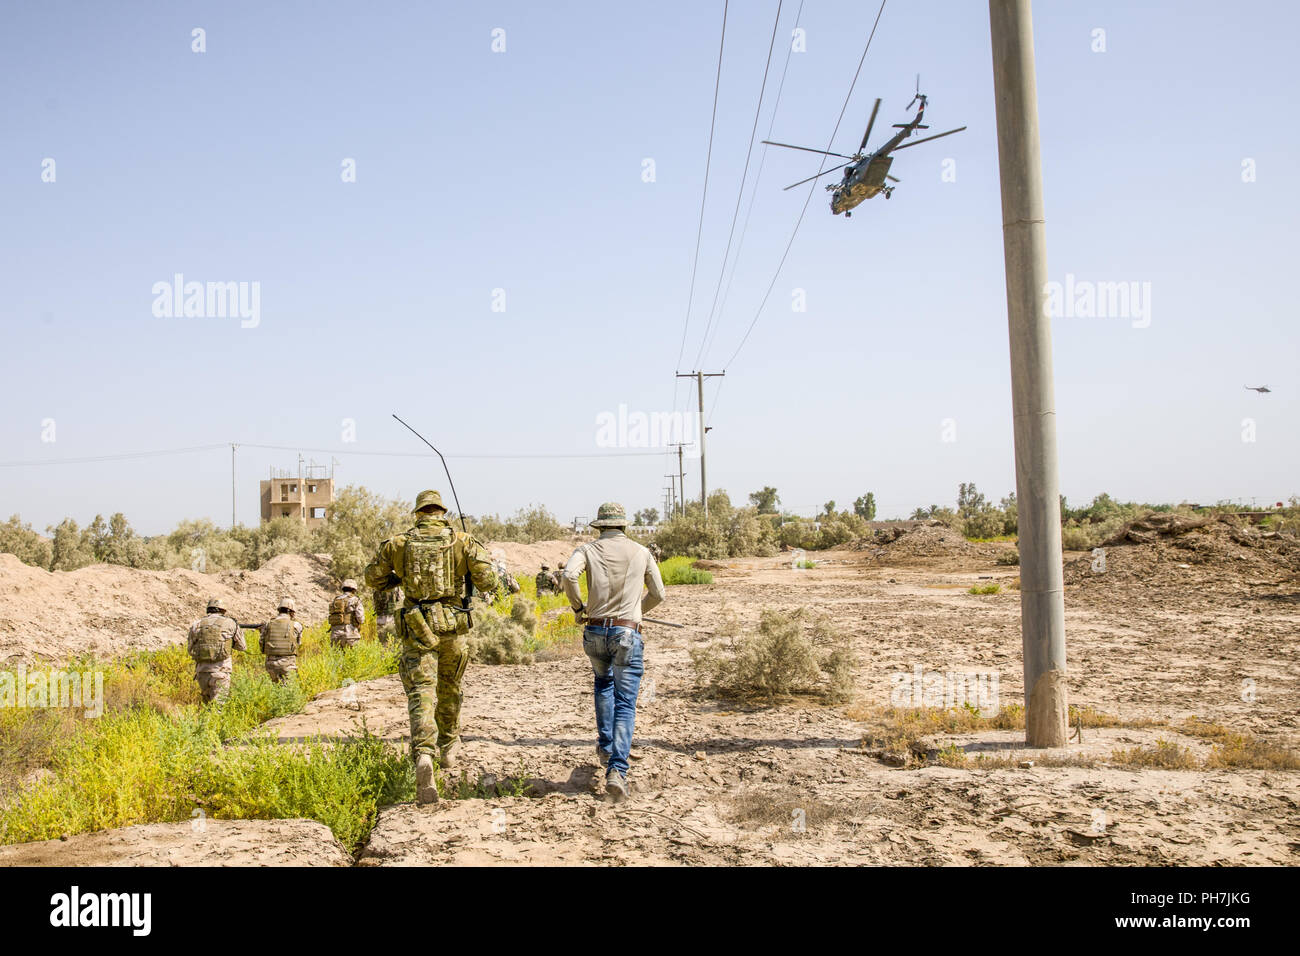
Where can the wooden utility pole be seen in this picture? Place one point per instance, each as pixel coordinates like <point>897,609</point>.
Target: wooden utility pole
<point>1042,603</point>
<point>699,380</point>
<point>680,505</point>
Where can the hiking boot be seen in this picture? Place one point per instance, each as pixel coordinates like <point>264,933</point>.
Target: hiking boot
<point>450,756</point>
<point>602,757</point>
<point>426,789</point>
<point>615,787</point>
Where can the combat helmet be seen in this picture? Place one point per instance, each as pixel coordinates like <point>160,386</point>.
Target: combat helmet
<point>216,603</point>
<point>287,604</point>
<point>429,498</point>
<point>349,584</point>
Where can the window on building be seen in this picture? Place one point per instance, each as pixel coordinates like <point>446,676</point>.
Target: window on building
<point>311,489</point>
<point>318,512</point>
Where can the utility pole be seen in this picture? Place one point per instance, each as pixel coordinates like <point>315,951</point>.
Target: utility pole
<point>232,486</point>
<point>699,381</point>
<point>672,500</point>
<point>681,478</point>
<point>1042,603</point>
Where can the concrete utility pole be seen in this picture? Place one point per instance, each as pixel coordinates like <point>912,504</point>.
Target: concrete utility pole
<point>232,486</point>
<point>704,484</point>
<point>680,504</point>
<point>1042,603</point>
<point>672,487</point>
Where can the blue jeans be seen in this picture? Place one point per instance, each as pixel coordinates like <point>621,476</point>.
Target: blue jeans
<point>615,655</point>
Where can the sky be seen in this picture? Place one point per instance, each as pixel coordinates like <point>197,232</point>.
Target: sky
<point>512,261</point>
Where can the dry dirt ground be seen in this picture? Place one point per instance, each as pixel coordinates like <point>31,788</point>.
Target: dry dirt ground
<point>195,843</point>
<point>721,783</point>
<point>107,610</point>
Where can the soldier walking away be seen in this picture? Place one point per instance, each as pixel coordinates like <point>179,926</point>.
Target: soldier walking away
<point>656,552</point>
<point>347,614</point>
<point>545,581</point>
<point>623,582</point>
<point>387,603</point>
<point>431,561</point>
<point>280,639</point>
<point>210,641</point>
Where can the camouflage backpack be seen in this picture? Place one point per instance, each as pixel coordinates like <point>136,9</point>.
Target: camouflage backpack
<point>280,639</point>
<point>430,565</point>
<point>214,642</point>
<point>340,611</point>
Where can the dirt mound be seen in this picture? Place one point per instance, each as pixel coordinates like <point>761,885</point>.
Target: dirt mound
<point>930,540</point>
<point>528,558</point>
<point>107,609</point>
<point>1161,550</point>
<point>191,843</point>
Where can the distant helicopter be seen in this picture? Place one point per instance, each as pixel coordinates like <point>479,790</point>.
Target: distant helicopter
<point>866,173</point>
<point>1259,388</point>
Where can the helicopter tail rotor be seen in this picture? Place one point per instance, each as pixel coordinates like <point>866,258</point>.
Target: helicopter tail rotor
<point>919,95</point>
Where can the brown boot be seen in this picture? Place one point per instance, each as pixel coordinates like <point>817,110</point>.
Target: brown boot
<point>450,756</point>
<point>426,789</point>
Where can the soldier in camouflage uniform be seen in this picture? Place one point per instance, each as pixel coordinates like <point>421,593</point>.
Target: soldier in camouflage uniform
<point>347,614</point>
<point>430,561</point>
<point>280,639</point>
<point>210,641</point>
<point>656,552</point>
<point>546,582</point>
<point>387,603</point>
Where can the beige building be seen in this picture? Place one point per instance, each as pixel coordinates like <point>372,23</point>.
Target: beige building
<point>306,495</point>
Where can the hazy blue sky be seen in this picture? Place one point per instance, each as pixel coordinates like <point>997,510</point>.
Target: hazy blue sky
<point>522,171</point>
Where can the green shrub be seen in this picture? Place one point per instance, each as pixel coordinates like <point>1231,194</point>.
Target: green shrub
<point>778,660</point>
<point>682,571</point>
<point>1011,557</point>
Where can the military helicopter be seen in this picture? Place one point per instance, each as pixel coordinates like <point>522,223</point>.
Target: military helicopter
<point>865,173</point>
<point>1262,389</point>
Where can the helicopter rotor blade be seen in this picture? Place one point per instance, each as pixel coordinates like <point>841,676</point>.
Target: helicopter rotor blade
<point>818,176</point>
<point>870,123</point>
<point>807,149</point>
<point>894,178</point>
<point>918,142</point>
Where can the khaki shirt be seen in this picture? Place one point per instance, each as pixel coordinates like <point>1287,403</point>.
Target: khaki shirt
<point>622,578</point>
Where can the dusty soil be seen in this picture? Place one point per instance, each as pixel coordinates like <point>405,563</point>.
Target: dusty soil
<point>725,783</point>
<point>108,610</point>
<point>528,559</point>
<point>201,843</point>
<point>719,783</point>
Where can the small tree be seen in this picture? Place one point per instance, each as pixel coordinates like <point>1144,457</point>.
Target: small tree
<point>865,507</point>
<point>765,500</point>
<point>969,500</point>
<point>647,517</point>
<point>829,508</point>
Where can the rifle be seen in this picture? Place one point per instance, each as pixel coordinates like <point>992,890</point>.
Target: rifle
<point>469,581</point>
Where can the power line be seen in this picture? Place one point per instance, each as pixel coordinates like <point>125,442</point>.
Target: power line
<point>753,194</point>
<point>812,186</point>
<point>740,193</point>
<point>132,456</point>
<point>708,162</point>
<point>125,456</point>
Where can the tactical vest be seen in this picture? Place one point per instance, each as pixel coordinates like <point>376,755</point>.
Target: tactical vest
<point>341,611</point>
<point>214,640</point>
<point>280,639</point>
<point>429,560</point>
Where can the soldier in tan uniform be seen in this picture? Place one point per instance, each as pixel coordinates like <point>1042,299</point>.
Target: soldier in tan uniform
<point>546,582</point>
<point>431,561</point>
<point>347,614</point>
<point>210,641</point>
<point>388,601</point>
<point>280,639</point>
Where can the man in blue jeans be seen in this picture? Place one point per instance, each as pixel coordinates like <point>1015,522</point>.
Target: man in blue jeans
<point>623,582</point>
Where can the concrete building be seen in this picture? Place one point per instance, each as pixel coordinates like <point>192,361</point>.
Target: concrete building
<point>306,495</point>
